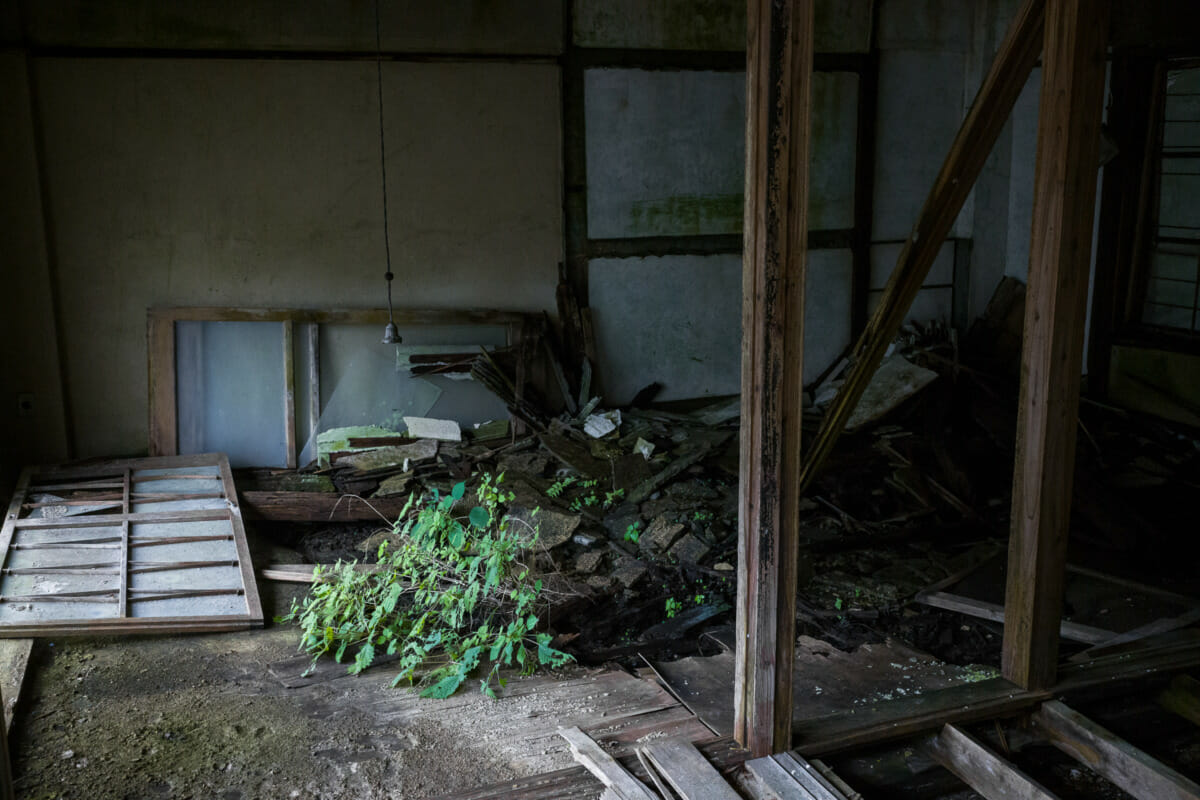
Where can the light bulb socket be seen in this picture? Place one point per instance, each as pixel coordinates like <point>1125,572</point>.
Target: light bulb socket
<point>391,335</point>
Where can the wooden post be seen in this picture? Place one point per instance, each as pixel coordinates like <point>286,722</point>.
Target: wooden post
<point>779,59</point>
<point>1076,37</point>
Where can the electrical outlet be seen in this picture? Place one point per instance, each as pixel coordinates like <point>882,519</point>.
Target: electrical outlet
<point>25,404</point>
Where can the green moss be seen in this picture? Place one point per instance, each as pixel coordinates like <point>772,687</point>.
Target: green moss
<point>684,215</point>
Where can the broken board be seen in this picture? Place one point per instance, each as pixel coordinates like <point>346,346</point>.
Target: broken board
<point>126,546</point>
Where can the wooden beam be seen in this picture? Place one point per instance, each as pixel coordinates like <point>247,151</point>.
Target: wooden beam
<point>779,60</point>
<point>289,394</point>
<point>160,344</point>
<point>687,771</point>
<point>1076,35</point>
<point>1138,773</point>
<point>981,769</point>
<point>606,768</point>
<point>1072,631</point>
<point>1010,70</point>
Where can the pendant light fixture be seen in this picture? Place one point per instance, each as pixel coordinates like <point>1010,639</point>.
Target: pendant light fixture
<point>391,335</point>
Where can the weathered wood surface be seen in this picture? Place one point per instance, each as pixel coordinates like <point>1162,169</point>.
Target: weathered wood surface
<point>779,61</point>
<point>1135,771</point>
<point>576,783</point>
<point>996,697</point>
<point>687,771</point>
<point>787,777</point>
<point>320,507</point>
<point>14,660</point>
<point>981,769</point>
<point>1010,70</point>
<point>1073,69</point>
<point>606,768</point>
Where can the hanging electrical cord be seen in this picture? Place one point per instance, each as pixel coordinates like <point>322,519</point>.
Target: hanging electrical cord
<point>391,335</point>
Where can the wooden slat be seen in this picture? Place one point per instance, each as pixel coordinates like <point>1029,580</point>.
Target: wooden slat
<point>289,395</point>
<point>14,662</point>
<point>981,769</point>
<point>1133,770</point>
<point>314,380</point>
<point>606,768</point>
<point>1073,631</point>
<point>808,776</point>
<point>124,599</point>
<point>775,780</point>
<point>972,145</point>
<point>253,603</point>
<point>1137,586</point>
<point>113,520</point>
<point>320,507</point>
<point>1182,697</point>
<point>779,62</point>
<point>351,316</point>
<point>161,364</point>
<point>687,771</point>
<point>1164,625</point>
<point>1076,33</point>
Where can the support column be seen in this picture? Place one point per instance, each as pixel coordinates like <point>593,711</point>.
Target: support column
<point>779,59</point>
<point>1076,37</point>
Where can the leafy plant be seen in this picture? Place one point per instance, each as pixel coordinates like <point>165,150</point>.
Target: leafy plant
<point>453,593</point>
<point>556,489</point>
<point>633,532</point>
<point>673,607</point>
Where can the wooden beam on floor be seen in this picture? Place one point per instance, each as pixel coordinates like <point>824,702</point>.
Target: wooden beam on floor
<point>993,104</point>
<point>779,61</point>
<point>977,766</point>
<point>1138,773</point>
<point>687,771</point>
<point>606,768</point>
<point>995,697</point>
<point>1073,68</point>
<point>1072,631</point>
<point>788,777</point>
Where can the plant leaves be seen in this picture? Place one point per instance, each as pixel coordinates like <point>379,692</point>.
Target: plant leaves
<point>479,517</point>
<point>459,490</point>
<point>443,688</point>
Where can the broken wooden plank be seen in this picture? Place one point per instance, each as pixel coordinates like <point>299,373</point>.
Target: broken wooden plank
<point>1135,771</point>
<point>1010,70</point>
<point>687,771</point>
<point>981,769</point>
<point>606,768</point>
<point>303,573</point>
<point>775,781</point>
<point>1073,71</point>
<point>320,507</point>
<point>977,608</point>
<point>808,776</point>
<point>779,64</point>
<point>14,661</point>
<point>1153,628</point>
<point>1182,697</point>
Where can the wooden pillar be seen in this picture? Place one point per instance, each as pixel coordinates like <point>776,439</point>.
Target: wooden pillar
<point>779,60</point>
<point>1076,37</point>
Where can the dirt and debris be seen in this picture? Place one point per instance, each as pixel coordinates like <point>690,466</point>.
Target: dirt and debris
<point>637,507</point>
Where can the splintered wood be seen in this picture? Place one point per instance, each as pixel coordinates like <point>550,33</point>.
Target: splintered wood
<point>127,546</point>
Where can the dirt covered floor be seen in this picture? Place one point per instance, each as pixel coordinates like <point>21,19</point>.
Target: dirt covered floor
<point>205,716</point>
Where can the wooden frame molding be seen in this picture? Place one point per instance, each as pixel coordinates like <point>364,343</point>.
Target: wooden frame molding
<point>87,570</point>
<point>164,431</point>
<point>1076,37</point>
<point>779,64</point>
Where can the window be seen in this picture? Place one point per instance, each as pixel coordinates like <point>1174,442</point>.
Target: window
<point>1172,297</point>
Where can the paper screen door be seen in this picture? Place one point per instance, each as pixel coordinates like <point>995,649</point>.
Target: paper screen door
<point>130,546</point>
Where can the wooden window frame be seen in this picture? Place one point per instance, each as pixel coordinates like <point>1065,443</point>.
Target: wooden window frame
<point>163,422</point>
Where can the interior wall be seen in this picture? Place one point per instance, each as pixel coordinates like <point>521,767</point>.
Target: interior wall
<point>247,181</point>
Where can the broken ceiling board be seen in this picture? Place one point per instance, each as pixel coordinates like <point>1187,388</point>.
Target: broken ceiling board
<point>896,380</point>
<point>170,556</point>
<point>14,659</point>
